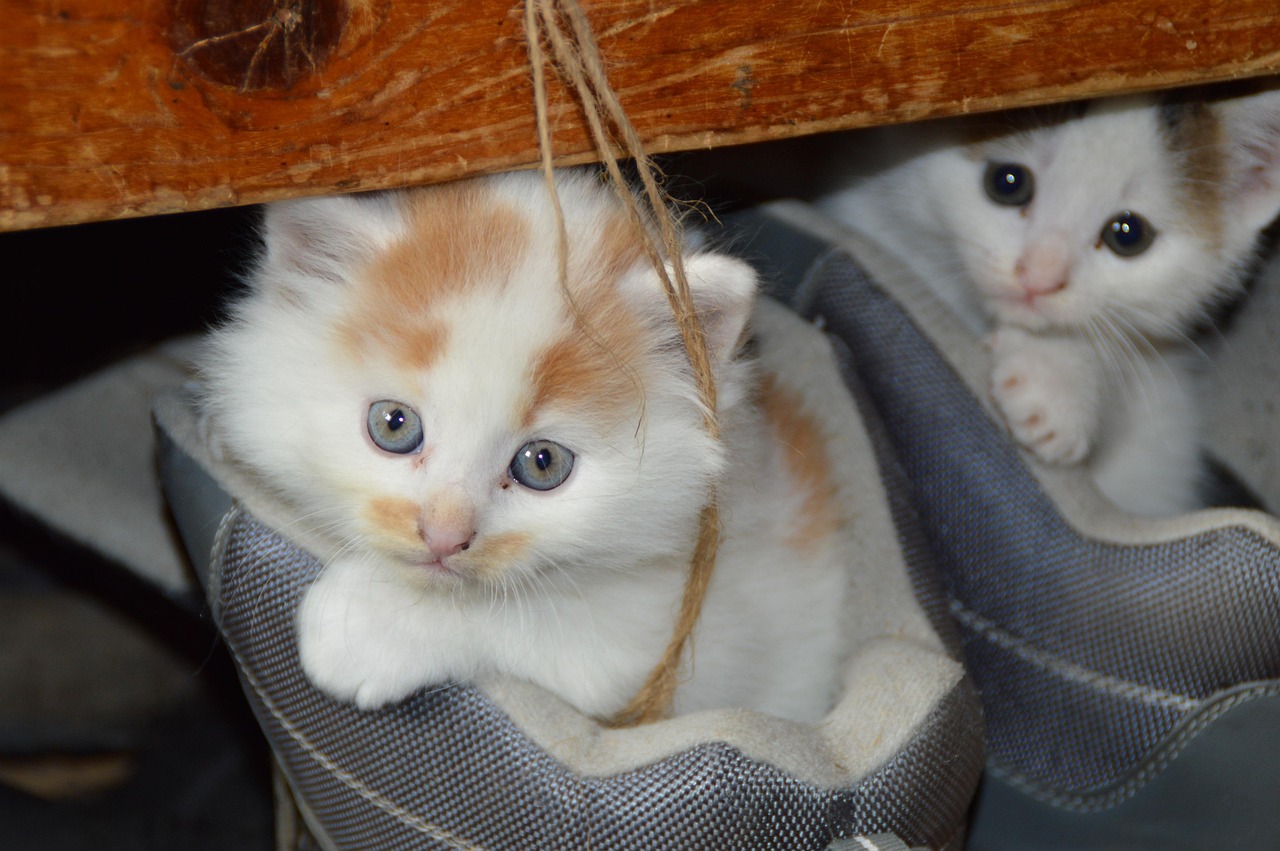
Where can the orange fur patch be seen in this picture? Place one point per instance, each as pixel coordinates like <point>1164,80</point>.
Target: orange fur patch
<point>394,518</point>
<point>491,555</point>
<point>458,237</point>
<point>589,366</point>
<point>1195,137</point>
<point>584,372</point>
<point>806,460</point>
<point>417,344</point>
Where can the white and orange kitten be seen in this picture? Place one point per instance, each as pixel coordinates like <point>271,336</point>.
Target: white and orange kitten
<point>500,481</point>
<point>1087,242</point>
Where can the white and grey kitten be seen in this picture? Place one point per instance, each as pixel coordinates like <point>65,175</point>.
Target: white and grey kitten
<point>1087,243</point>
<point>501,480</point>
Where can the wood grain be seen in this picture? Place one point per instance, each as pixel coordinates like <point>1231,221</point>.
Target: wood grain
<point>113,108</point>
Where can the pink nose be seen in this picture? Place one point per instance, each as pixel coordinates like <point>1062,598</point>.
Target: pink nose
<point>1041,270</point>
<point>448,524</point>
<point>1038,286</point>
<point>447,540</point>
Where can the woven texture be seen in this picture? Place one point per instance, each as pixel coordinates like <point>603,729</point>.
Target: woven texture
<point>447,769</point>
<point>1087,654</point>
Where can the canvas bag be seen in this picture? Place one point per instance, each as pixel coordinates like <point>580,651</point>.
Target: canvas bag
<point>502,764</point>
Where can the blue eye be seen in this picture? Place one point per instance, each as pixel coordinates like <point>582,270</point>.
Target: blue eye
<point>395,427</point>
<point>541,465</point>
<point>1128,234</point>
<point>1009,183</point>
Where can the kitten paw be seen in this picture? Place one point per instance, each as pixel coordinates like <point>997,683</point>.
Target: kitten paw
<point>1043,398</point>
<point>349,655</point>
<point>334,669</point>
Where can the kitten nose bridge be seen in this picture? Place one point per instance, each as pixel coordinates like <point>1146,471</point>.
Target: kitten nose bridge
<point>1044,266</point>
<point>447,526</point>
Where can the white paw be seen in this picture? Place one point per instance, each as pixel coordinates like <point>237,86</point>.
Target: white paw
<point>1044,399</point>
<point>348,653</point>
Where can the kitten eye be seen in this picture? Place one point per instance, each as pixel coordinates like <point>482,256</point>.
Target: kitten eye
<point>395,427</point>
<point>1009,183</point>
<point>1128,234</point>
<point>541,465</point>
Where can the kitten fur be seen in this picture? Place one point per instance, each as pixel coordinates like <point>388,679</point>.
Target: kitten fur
<point>439,565</point>
<point>1093,359</point>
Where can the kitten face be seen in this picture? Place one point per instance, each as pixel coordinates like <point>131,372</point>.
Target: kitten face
<point>438,405</point>
<point>1109,220</point>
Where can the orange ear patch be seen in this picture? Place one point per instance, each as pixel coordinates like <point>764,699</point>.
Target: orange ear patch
<point>806,460</point>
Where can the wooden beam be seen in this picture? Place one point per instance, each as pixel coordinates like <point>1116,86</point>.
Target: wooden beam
<point>112,108</point>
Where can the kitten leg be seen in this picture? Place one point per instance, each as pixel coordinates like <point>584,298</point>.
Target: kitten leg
<point>1150,462</point>
<point>1049,391</point>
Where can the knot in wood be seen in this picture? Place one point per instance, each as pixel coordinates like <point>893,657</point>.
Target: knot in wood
<point>256,44</point>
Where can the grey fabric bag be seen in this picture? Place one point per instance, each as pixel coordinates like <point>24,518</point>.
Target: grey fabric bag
<point>502,765</point>
<point>1129,668</point>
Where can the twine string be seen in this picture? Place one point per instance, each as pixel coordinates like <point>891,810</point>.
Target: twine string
<point>576,58</point>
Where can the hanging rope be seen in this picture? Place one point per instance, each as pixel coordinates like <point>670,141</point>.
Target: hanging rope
<point>561,27</point>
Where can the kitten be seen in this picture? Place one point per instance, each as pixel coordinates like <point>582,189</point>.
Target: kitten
<point>1088,242</point>
<point>501,481</point>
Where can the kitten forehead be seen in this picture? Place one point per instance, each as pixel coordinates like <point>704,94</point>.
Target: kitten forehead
<point>473,280</point>
<point>475,238</point>
<point>456,237</point>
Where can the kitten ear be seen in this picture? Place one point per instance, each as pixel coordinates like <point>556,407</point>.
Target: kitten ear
<point>724,292</point>
<point>1252,125</point>
<point>325,237</point>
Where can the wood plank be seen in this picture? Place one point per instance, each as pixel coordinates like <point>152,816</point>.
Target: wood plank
<point>112,108</point>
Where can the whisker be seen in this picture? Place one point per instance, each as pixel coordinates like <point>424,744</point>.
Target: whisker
<point>1100,341</point>
<point>1171,329</point>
